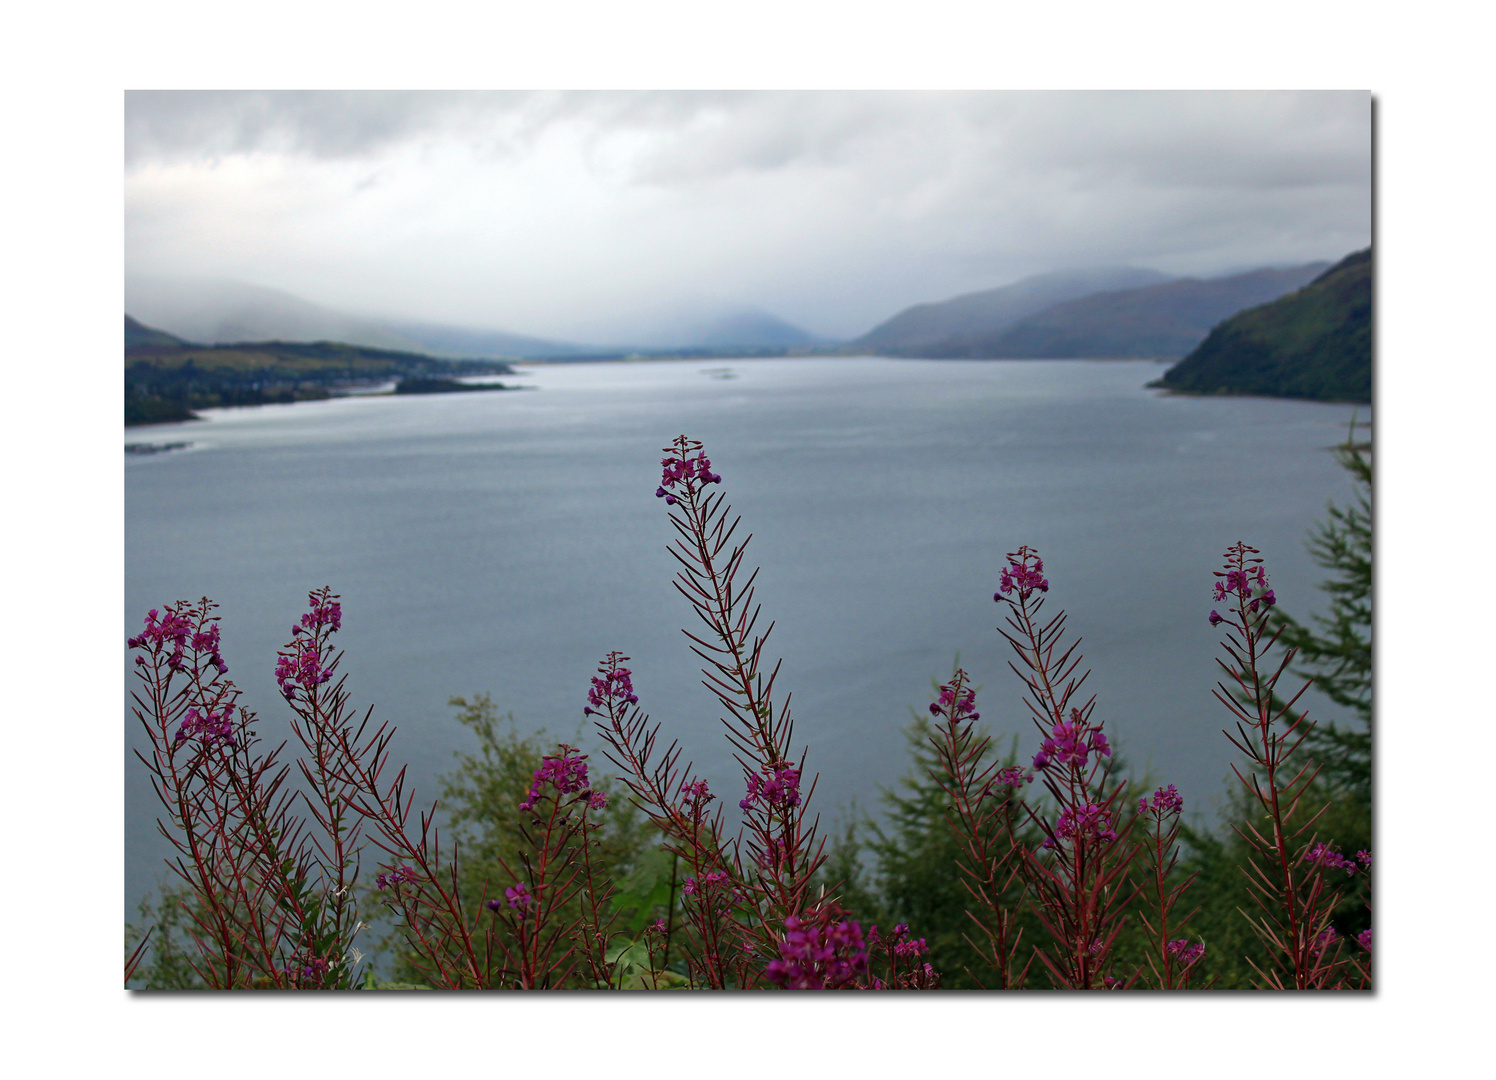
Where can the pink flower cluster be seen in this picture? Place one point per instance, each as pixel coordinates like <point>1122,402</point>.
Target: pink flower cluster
<point>300,667</point>
<point>911,947</point>
<point>1070,742</point>
<point>695,795</point>
<point>686,472</point>
<point>397,876</point>
<point>1242,584</point>
<point>326,611</point>
<point>564,772</point>
<point>1165,801</point>
<point>778,791</point>
<point>1013,776</point>
<point>814,956</point>
<point>175,628</point>
<point>957,711</point>
<point>616,686</point>
<point>1087,822</point>
<point>1024,572</point>
<point>1326,856</point>
<point>208,726</point>
<point>714,877</point>
<point>302,664</point>
<point>1184,952</point>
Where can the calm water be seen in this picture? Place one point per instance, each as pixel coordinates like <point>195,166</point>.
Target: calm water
<point>505,542</point>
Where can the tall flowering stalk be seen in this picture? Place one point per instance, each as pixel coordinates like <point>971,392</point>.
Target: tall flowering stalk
<point>344,765</point>
<point>680,808</point>
<point>1171,960</point>
<point>1287,872</point>
<point>538,945</point>
<point>983,804</point>
<point>304,672</point>
<point>267,912</point>
<point>779,841</point>
<point>745,894</point>
<point>1079,876</point>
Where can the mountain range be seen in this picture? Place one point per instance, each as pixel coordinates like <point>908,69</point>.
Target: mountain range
<point>926,330</point>
<point>1104,312</point>
<point>1066,316</point>
<point>1314,343</point>
<point>222,312</point>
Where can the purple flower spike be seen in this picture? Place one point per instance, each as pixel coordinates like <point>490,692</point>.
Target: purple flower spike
<point>1184,952</point>
<point>1165,801</point>
<point>1087,822</point>
<point>1024,572</point>
<point>566,773</point>
<point>679,468</point>
<point>817,954</point>
<point>612,687</point>
<point>1322,854</point>
<point>778,790</point>
<point>963,710</point>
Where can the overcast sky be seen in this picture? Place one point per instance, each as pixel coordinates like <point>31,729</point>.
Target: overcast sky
<point>585,215</point>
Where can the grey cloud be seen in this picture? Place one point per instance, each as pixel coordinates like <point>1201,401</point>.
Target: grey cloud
<point>829,209</point>
<point>174,125</point>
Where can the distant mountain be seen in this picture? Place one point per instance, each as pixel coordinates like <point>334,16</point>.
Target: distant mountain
<point>750,330</point>
<point>223,312</point>
<point>166,378</point>
<point>1154,321</point>
<point>934,330</point>
<point>458,341</point>
<point>140,338</point>
<point>692,325</point>
<point>1314,343</point>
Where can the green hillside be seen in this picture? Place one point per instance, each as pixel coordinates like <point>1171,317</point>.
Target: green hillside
<point>1314,343</point>
<point>1167,319</point>
<point>166,378</point>
<point>140,337</point>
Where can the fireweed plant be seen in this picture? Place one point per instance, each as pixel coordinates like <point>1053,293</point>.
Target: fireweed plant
<point>274,872</point>
<point>1290,873</point>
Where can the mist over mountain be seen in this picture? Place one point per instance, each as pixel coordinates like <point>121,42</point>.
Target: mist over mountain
<point>1313,343</point>
<point>1158,319</point>
<point>458,341</point>
<point>228,312</point>
<point>1165,320</point>
<point>216,311</point>
<point>934,329</point>
<point>140,338</point>
<point>747,329</point>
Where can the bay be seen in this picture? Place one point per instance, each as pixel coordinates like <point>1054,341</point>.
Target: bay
<point>504,542</point>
